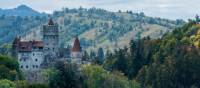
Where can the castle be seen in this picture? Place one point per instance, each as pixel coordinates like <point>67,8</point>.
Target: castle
<point>34,55</point>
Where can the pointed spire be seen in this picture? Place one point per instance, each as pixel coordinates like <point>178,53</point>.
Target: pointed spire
<point>76,46</point>
<point>51,22</point>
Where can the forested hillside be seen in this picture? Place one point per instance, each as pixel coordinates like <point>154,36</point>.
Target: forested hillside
<point>96,28</point>
<point>18,22</point>
<point>12,26</point>
<point>21,10</point>
<point>100,28</point>
<point>170,62</point>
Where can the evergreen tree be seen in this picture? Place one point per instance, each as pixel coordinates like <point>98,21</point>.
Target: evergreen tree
<point>100,56</point>
<point>66,76</point>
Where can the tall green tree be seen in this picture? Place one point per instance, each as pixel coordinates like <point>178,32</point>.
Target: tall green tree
<point>9,68</point>
<point>100,56</point>
<point>66,76</point>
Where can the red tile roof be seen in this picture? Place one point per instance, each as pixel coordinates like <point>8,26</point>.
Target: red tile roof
<point>38,43</point>
<point>76,47</point>
<point>27,46</point>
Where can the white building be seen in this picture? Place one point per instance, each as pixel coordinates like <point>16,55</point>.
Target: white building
<point>33,55</point>
<point>29,54</point>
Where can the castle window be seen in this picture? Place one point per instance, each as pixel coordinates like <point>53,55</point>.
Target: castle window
<point>21,66</point>
<point>36,59</point>
<point>33,66</point>
<point>33,54</point>
<point>24,60</point>
<point>26,66</point>
<point>36,66</point>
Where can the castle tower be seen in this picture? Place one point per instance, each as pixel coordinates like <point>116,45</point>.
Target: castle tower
<point>76,51</point>
<point>51,41</point>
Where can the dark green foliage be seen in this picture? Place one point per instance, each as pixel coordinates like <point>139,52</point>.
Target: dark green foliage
<point>86,56</point>
<point>9,68</point>
<point>118,61</point>
<point>38,86</point>
<point>92,55</point>
<point>100,56</point>
<point>121,62</point>
<point>66,76</point>
<point>170,62</point>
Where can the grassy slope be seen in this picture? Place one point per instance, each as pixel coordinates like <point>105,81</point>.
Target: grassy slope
<point>150,30</point>
<point>68,31</point>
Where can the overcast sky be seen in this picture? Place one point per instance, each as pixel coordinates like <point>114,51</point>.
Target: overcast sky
<point>172,9</point>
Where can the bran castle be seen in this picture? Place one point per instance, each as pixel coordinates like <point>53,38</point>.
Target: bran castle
<point>35,55</point>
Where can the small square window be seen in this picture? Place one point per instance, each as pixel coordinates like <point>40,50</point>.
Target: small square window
<point>36,59</point>
<point>36,66</point>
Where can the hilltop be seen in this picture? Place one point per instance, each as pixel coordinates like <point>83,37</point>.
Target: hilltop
<point>22,11</point>
<point>95,27</point>
<point>100,28</point>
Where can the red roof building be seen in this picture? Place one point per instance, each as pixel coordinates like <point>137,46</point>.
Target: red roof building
<point>26,46</point>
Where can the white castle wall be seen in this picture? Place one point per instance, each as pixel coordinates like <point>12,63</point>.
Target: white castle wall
<point>30,60</point>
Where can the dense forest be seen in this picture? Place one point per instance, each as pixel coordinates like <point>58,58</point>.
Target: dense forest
<point>169,62</point>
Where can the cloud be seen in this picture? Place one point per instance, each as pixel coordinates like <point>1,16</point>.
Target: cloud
<point>173,9</point>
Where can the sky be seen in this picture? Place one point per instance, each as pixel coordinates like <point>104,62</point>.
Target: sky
<point>171,9</point>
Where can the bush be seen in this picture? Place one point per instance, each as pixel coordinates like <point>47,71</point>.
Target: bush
<point>7,84</point>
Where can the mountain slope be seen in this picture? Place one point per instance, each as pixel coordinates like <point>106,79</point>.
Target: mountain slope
<point>95,27</point>
<point>100,28</point>
<point>21,10</point>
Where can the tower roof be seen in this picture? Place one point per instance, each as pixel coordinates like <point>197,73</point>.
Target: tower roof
<point>76,47</point>
<point>51,22</point>
<point>16,40</point>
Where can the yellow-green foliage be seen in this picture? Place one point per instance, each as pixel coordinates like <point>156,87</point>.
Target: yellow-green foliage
<point>21,84</point>
<point>97,77</point>
<point>7,84</point>
<point>196,39</point>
